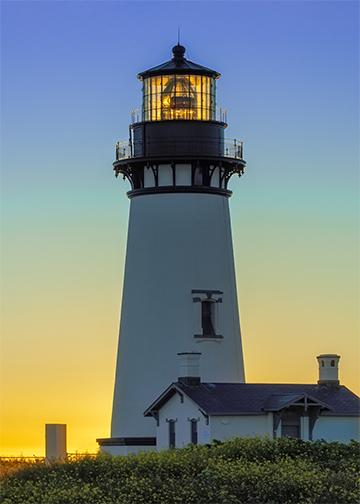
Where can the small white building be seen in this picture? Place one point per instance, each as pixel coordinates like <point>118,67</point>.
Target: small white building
<point>190,411</point>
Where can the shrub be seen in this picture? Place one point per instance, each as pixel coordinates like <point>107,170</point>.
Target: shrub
<point>256,471</point>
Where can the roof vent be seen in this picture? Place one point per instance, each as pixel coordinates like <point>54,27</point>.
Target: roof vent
<point>189,368</point>
<point>328,369</point>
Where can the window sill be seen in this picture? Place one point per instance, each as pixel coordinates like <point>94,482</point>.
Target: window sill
<point>201,337</point>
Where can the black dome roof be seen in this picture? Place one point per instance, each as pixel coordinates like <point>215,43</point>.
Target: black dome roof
<point>178,65</point>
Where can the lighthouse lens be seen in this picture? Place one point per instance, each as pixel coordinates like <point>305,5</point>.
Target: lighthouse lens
<point>179,98</point>
<point>171,97</point>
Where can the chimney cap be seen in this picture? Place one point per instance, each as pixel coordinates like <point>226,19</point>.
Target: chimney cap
<point>329,355</point>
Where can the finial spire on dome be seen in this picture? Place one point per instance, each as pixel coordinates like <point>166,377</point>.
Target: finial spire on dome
<point>178,52</point>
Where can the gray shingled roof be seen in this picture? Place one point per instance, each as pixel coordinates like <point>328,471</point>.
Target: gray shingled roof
<point>258,398</point>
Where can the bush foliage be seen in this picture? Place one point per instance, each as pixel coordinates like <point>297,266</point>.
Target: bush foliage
<point>256,471</point>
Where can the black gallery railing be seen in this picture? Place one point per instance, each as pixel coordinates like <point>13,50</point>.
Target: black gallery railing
<point>224,148</point>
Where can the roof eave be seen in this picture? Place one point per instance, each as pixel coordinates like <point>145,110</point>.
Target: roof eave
<point>340,414</point>
<point>165,70</point>
<point>162,399</point>
<point>181,71</point>
<point>293,401</point>
<point>237,413</point>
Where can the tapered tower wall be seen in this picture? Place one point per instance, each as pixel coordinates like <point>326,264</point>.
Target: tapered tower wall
<point>177,243</point>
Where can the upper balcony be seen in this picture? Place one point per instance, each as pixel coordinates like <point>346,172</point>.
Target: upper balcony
<point>226,148</point>
<point>180,141</point>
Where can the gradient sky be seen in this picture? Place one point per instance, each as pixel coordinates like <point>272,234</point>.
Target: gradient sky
<point>290,84</point>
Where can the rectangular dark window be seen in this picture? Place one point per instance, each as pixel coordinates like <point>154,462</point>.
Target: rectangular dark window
<point>290,425</point>
<point>207,308</point>
<point>292,431</point>
<point>172,440</point>
<point>194,433</point>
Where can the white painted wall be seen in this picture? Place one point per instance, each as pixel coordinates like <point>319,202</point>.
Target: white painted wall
<point>215,178</point>
<point>126,450</point>
<point>225,427</point>
<point>174,409</point>
<point>165,175</point>
<point>176,243</point>
<point>149,179</point>
<point>219,427</point>
<point>183,174</point>
<point>332,428</point>
<point>341,429</point>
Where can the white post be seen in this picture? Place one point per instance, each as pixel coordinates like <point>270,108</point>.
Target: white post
<point>270,425</point>
<point>304,427</point>
<point>55,442</point>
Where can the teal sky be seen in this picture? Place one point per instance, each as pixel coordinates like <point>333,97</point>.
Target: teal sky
<point>290,85</point>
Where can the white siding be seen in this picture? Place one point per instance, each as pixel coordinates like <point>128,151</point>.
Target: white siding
<point>174,409</point>
<point>215,178</point>
<point>183,174</point>
<point>165,175</point>
<point>332,428</point>
<point>125,450</point>
<point>225,427</point>
<point>149,179</point>
<point>341,429</point>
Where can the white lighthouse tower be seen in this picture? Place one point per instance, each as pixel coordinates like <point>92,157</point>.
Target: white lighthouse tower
<point>179,292</point>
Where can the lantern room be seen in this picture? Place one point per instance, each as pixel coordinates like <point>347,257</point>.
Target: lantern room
<point>179,90</point>
<point>179,143</point>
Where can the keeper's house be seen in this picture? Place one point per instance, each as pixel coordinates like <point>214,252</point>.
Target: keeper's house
<point>190,411</point>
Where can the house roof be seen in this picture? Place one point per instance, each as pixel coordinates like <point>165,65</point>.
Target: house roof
<point>259,398</point>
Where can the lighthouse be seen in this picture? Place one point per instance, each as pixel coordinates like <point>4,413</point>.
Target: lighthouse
<point>179,291</point>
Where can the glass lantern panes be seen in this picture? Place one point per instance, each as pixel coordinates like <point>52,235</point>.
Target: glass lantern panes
<point>171,97</point>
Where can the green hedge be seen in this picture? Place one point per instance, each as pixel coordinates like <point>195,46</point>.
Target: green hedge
<point>258,471</point>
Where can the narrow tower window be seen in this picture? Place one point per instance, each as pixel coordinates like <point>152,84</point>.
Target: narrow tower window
<point>206,313</point>
<point>207,318</point>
